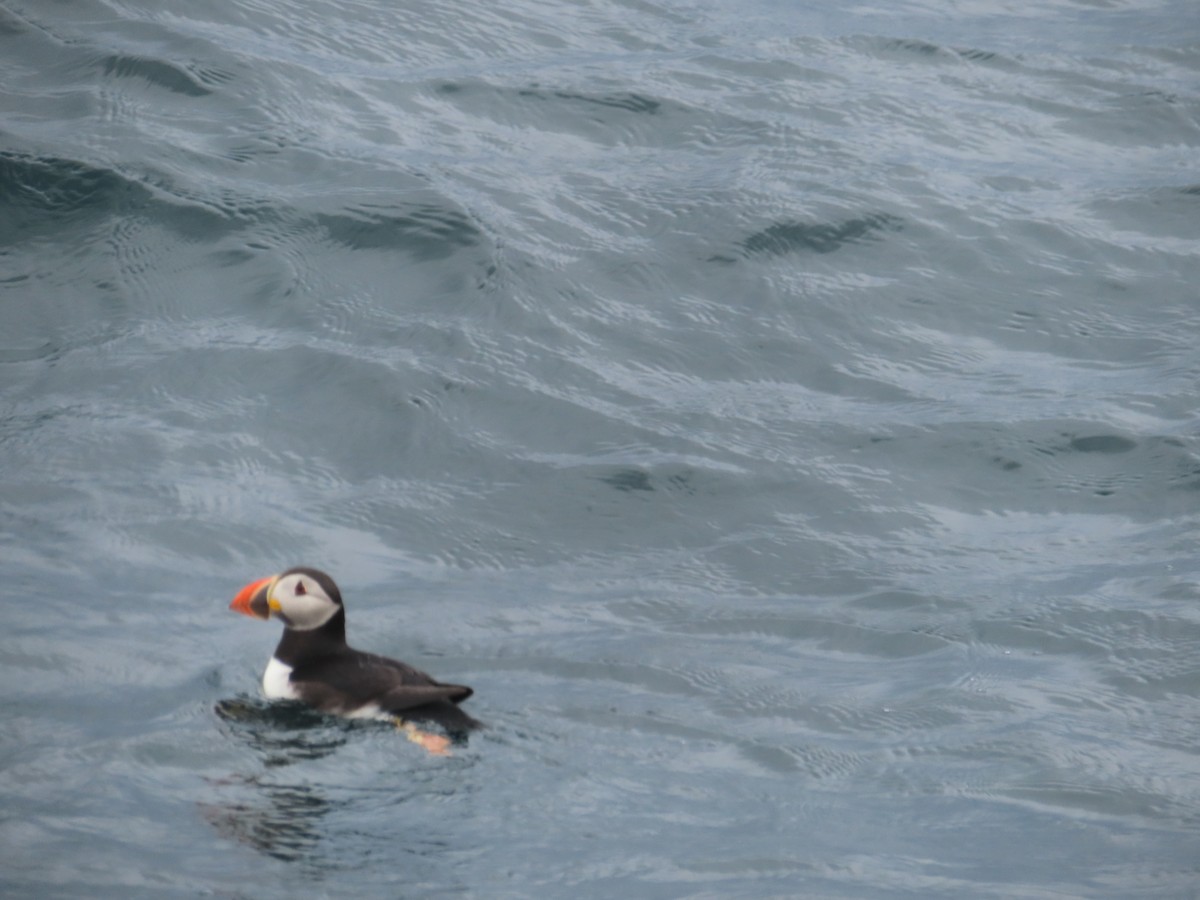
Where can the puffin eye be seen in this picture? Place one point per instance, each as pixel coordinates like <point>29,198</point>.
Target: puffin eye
<point>300,588</point>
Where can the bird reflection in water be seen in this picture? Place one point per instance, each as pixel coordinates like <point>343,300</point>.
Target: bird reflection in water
<point>281,820</point>
<point>284,826</point>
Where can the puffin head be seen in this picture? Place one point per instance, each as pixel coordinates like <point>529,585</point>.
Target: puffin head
<point>301,598</point>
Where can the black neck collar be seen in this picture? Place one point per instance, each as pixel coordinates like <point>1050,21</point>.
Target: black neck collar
<point>298,646</point>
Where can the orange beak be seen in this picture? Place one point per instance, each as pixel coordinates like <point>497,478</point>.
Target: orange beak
<point>252,599</point>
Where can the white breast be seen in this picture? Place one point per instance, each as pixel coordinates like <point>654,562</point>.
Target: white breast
<point>276,683</point>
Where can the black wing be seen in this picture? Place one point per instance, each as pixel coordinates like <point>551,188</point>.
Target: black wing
<point>345,682</point>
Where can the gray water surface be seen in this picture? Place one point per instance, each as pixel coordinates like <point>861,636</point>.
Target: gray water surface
<point>785,416</point>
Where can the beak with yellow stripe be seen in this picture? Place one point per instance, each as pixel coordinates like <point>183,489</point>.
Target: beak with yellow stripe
<point>255,599</point>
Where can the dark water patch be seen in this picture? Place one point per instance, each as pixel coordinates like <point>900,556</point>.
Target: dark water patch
<point>249,152</point>
<point>155,72</point>
<point>1103,443</point>
<point>636,479</point>
<point>781,238</point>
<point>907,45</point>
<point>44,195</point>
<point>629,480</point>
<point>424,231</point>
<point>628,102</point>
<point>11,25</point>
<point>213,77</point>
<point>974,55</point>
<point>1113,463</point>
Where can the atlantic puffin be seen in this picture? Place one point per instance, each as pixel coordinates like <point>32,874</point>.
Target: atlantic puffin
<point>314,664</point>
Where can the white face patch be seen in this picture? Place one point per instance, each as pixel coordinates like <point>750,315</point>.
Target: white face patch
<point>301,602</point>
<point>276,683</point>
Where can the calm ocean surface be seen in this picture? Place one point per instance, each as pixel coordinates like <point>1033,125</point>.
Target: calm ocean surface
<point>785,415</point>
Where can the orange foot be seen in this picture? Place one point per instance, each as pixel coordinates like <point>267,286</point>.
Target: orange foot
<point>434,743</point>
